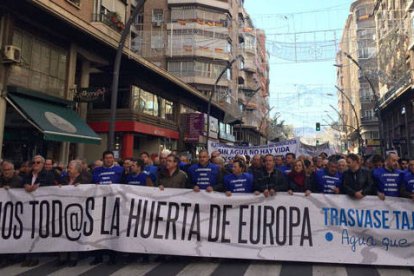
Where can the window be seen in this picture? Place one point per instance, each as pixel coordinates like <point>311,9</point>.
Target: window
<point>222,128</point>
<point>229,129</point>
<point>43,65</point>
<point>369,114</point>
<point>366,49</point>
<point>135,98</point>
<point>148,103</point>
<point>157,16</point>
<point>74,2</point>
<point>362,13</point>
<point>157,41</point>
<point>169,110</point>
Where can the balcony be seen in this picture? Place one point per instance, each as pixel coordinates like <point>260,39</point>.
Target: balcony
<point>251,106</point>
<point>249,66</point>
<point>199,51</point>
<point>249,91</point>
<point>196,79</point>
<point>366,100</point>
<point>109,23</point>
<point>369,120</point>
<point>208,3</point>
<point>404,82</point>
<point>196,24</point>
<point>251,120</point>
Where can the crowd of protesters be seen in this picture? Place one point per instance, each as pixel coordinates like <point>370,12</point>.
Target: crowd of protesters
<point>267,175</point>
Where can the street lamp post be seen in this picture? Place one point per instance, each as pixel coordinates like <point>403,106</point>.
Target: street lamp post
<point>229,64</point>
<point>358,129</point>
<point>343,126</point>
<point>115,76</point>
<point>377,109</point>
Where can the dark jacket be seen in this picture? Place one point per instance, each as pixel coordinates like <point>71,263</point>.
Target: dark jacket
<point>14,182</point>
<point>177,180</point>
<point>44,178</point>
<point>267,181</point>
<point>298,188</point>
<point>361,180</point>
<point>220,182</point>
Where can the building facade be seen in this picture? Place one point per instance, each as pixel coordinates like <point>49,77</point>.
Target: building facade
<point>357,80</point>
<point>196,41</point>
<point>394,21</point>
<point>55,80</point>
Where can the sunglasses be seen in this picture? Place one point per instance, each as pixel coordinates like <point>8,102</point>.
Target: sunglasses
<point>37,162</point>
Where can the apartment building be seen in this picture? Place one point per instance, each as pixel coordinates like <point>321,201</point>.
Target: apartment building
<point>195,41</point>
<point>357,80</point>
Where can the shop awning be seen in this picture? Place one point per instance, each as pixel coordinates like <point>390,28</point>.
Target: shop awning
<point>56,122</point>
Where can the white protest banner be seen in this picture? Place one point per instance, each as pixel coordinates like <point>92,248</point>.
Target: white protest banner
<point>310,150</point>
<point>317,228</point>
<point>229,152</point>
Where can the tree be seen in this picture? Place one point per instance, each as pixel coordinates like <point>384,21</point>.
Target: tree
<point>277,130</point>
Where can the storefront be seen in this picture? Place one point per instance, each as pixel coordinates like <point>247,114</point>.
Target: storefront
<point>40,124</point>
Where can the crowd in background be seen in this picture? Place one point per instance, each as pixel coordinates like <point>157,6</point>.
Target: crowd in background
<point>261,175</point>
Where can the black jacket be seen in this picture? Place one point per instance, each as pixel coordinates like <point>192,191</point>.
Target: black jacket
<point>275,180</point>
<point>297,188</point>
<point>361,180</point>
<point>44,178</point>
<point>14,182</point>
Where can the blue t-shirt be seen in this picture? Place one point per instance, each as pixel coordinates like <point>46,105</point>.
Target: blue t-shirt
<point>239,184</point>
<point>137,179</point>
<point>151,170</point>
<point>203,176</point>
<point>387,182</point>
<point>105,175</point>
<point>408,181</point>
<point>326,183</point>
<point>285,169</point>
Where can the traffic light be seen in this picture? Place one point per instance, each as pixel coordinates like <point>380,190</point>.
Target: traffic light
<point>317,142</point>
<point>318,126</point>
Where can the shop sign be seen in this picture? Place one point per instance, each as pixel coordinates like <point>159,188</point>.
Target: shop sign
<point>89,94</point>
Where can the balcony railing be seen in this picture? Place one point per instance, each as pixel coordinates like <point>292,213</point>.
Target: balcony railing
<point>112,19</point>
<point>372,119</point>
<point>403,81</point>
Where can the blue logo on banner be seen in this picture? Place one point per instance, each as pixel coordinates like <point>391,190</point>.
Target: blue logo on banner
<point>328,236</point>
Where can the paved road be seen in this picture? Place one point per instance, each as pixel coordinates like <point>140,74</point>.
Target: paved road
<point>203,267</point>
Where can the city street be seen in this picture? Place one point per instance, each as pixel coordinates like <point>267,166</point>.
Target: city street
<point>202,267</point>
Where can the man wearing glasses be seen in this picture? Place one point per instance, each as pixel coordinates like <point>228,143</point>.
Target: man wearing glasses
<point>38,176</point>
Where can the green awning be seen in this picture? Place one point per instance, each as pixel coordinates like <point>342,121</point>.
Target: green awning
<point>56,122</point>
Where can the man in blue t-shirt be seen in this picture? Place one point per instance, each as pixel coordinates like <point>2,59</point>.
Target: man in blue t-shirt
<point>287,167</point>
<point>109,173</point>
<point>149,167</point>
<point>137,176</point>
<point>238,182</point>
<point>204,175</point>
<point>407,185</point>
<point>328,180</point>
<point>388,178</point>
